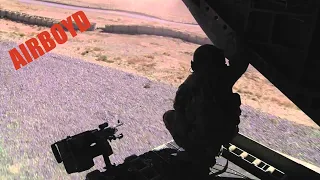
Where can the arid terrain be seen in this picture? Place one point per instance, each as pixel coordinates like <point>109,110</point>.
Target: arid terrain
<point>158,58</point>
<point>174,10</point>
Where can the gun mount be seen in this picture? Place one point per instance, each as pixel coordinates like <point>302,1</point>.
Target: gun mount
<point>162,163</point>
<point>77,152</point>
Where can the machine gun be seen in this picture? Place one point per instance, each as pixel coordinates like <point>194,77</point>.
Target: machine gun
<point>77,152</point>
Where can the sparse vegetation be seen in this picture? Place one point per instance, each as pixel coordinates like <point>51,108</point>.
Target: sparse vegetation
<point>149,56</point>
<point>15,29</point>
<point>180,77</point>
<point>88,50</point>
<point>85,52</point>
<point>153,43</point>
<point>2,153</point>
<point>188,53</point>
<point>150,65</point>
<point>97,49</point>
<point>12,125</point>
<point>104,58</point>
<point>147,86</point>
<point>166,54</point>
<point>33,34</point>
<point>275,121</point>
<point>135,60</point>
<point>3,162</point>
<point>243,91</point>
<point>21,34</point>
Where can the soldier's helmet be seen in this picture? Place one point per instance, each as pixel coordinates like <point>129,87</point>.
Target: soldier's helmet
<point>207,57</point>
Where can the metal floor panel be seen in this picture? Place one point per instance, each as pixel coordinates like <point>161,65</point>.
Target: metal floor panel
<point>233,171</point>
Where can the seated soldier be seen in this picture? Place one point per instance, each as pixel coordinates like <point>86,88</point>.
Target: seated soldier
<point>206,112</point>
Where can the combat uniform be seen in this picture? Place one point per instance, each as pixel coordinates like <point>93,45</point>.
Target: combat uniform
<point>206,111</point>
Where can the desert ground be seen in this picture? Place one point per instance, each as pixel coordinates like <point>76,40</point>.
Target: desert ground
<point>174,10</point>
<point>144,55</point>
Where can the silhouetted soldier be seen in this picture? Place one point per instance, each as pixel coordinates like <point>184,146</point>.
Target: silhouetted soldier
<point>206,111</point>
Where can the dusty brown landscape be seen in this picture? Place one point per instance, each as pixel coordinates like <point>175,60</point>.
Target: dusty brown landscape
<point>158,58</point>
<point>174,10</point>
